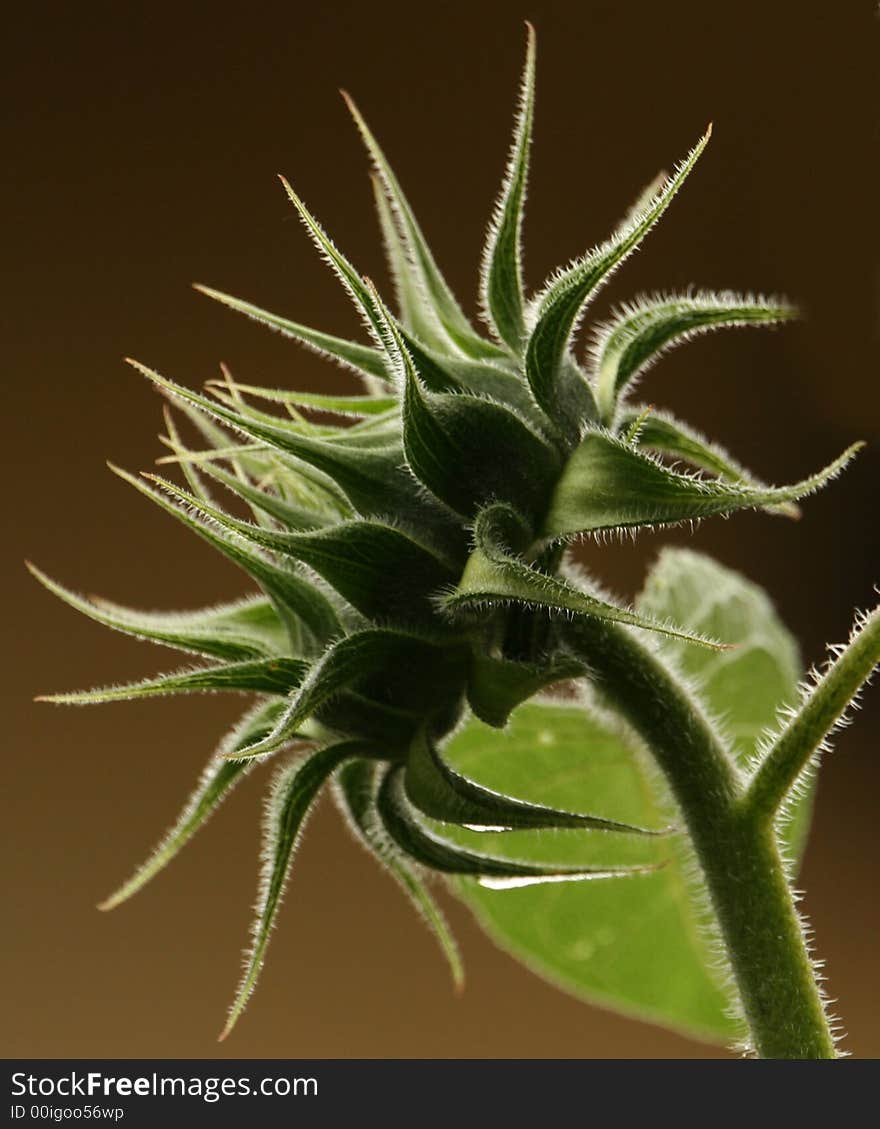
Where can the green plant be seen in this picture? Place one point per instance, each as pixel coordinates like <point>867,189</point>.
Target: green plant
<point>417,602</point>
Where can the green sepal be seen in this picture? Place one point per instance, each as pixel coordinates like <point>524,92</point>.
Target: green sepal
<point>428,280</point>
<point>633,340</point>
<point>372,478</point>
<point>216,782</point>
<point>362,407</point>
<point>293,793</point>
<point>277,675</point>
<point>364,295</point>
<point>357,784</point>
<point>607,484</point>
<point>184,456</point>
<point>416,315</point>
<point>360,358</point>
<point>381,571</point>
<point>410,672</point>
<point>442,793</point>
<point>560,391</point>
<point>289,515</point>
<point>355,714</point>
<point>237,631</point>
<point>495,577</point>
<point>416,838</point>
<point>468,451</point>
<point>501,284</point>
<point>660,431</point>
<point>293,593</point>
<point>496,686</point>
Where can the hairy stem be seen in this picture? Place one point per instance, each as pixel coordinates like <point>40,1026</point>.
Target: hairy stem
<point>738,853</point>
<point>822,709</point>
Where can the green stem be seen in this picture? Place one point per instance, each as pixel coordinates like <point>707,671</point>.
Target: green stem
<point>737,852</point>
<point>829,699</point>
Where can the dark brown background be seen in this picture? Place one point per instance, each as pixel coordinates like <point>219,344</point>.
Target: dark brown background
<point>141,154</point>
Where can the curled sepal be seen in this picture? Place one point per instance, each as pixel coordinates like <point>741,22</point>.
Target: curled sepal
<point>238,631</point>
<point>501,284</point>
<point>496,686</point>
<point>414,836</point>
<point>427,279</point>
<point>362,359</point>
<point>380,570</point>
<point>626,346</point>
<point>277,675</point>
<point>660,431</point>
<point>289,591</point>
<point>423,674</point>
<point>371,478</point>
<point>442,793</point>
<point>495,576</point>
<point>558,308</point>
<point>357,784</point>
<point>293,792</point>
<point>216,782</point>
<point>607,484</point>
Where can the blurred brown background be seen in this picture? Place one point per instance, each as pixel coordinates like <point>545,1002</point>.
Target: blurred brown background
<point>140,154</point>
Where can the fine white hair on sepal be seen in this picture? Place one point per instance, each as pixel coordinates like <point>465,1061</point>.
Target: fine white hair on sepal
<point>605,259</point>
<point>509,209</point>
<point>215,783</point>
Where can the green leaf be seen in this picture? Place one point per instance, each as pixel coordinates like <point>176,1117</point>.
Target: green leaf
<point>288,590</point>
<point>501,284</point>
<point>259,676</point>
<point>648,954</point>
<point>662,432</point>
<point>564,396</point>
<point>640,333</point>
<point>442,793</point>
<point>637,947</point>
<point>293,792</point>
<point>414,836</point>
<point>358,785</point>
<point>745,687</point>
<point>216,782</point>
<point>360,358</point>
<point>606,484</point>
<point>241,630</point>
<point>496,686</point>
<point>495,577</point>
<point>406,666</point>
<point>429,280</point>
